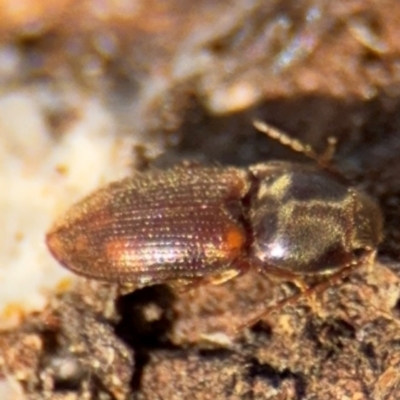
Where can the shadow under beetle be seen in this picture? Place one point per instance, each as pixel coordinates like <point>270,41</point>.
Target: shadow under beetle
<point>193,224</point>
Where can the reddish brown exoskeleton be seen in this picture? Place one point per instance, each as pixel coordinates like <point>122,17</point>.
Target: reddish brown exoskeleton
<point>195,224</point>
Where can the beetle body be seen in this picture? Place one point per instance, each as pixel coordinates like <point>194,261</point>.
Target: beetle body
<point>193,221</point>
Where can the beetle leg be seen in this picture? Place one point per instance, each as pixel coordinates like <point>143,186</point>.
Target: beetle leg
<point>183,286</point>
<point>307,292</point>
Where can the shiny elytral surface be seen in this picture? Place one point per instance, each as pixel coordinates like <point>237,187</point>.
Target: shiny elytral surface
<point>155,227</point>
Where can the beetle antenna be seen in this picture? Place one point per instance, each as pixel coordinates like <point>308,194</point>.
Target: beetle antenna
<point>324,159</point>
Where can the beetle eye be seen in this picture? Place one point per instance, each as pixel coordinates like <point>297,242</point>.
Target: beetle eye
<point>359,253</point>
